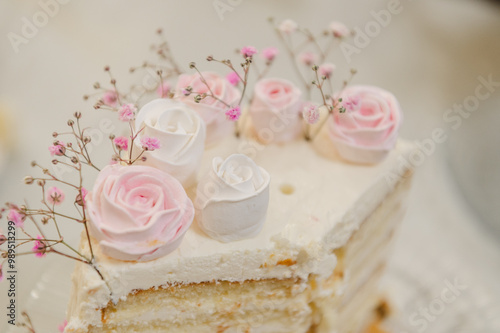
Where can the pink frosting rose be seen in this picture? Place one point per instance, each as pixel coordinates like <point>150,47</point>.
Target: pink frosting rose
<point>138,212</point>
<point>275,110</point>
<point>366,132</point>
<point>210,110</point>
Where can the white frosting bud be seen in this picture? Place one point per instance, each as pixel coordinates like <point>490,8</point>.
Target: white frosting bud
<point>232,199</point>
<point>181,133</point>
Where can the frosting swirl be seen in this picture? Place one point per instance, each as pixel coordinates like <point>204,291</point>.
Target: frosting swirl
<point>275,110</point>
<point>182,138</point>
<point>211,110</point>
<point>138,212</point>
<point>368,130</point>
<point>232,200</point>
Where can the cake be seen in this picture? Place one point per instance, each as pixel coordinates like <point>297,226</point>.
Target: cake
<point>217,213</point>
<point>313,268</point>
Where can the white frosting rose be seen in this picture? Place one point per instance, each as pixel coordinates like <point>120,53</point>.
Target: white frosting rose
<point>367,132</point>
<point>209,109</point>
<point>275,110</point>
<point>232,199</point>
<point>137,212</point>
<point>182,138</point>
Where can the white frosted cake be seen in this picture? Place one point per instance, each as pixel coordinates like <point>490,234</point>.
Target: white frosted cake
<point>314,266</point>
<point>224,212</point>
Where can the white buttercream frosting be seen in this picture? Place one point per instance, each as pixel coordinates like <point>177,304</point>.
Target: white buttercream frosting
<point>232,199</point>
<point>181,132</point>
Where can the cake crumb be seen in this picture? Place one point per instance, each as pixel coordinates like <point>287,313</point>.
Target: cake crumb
<point>286,262</point>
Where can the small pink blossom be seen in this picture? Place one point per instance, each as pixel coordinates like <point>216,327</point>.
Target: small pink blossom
<point>80,198</point>
<point>186,92</point>
<point>54,196</point>
<point>39,247</point>
<point>248,51</point>
<point>269,53</point>
<point>121,142</point>
<point>233,113</point>
<point>150,143</point>
<point>58,149</point>
<point>339,29</point>
<point>127,112</point>
<point>288,27</point>
<point>311,114</point>
<point>16,217</point>
<point>110,98</point>
<point>62,326</point>
<point>327,69</point>
<point>351,103</point>
<point>233,78</point>
<point>308,58</point>
<point>164,89</point>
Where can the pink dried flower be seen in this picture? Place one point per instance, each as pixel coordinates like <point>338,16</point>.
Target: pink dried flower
<point>233,113</point>
<point>164,89</point>
<point>110,98</point>
<point>62,326</point>
<point>308,58</point>
<point>327,69</point>
<point>150,143</point>
<point>39,247</point>
<point>16,217</point>
<point>80,198</point>
<point>339,29</point>
<point>248,51</point>
<point>233,78</point>
<point>121,142</point>
<point>288,27</point>
<point>54,196</point>
<point>351,103</point>
<point>59,149</point>
<point>127,112</point>
<point>269,53</point>
<point>311,114</point>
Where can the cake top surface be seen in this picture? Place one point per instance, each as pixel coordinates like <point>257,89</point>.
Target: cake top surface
<point>316,202</point>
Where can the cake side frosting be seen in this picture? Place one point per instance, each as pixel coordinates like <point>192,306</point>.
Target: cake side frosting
<point>316,203</point>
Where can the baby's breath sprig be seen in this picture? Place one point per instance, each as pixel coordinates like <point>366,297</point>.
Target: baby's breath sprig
<point>26,322</point>
<point>199,96</point>
<point>331,103</point>
<point>75,155</point>
<point>233,113</point>
<point>164,52</point>
<point>322,43</point>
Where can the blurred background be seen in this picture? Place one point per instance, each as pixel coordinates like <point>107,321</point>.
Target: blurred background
<point>441,58</point>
